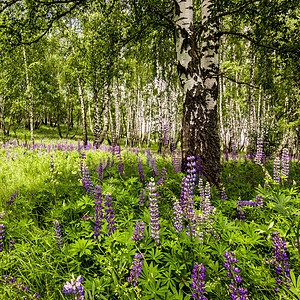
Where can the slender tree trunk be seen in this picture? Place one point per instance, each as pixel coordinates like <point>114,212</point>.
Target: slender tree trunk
<point>30,97</point>
<point>117,111</point>
<point>82,104</point>
<point>200,133</point>
<point>252,118</point>
<point>96,118</point>
<point>150,120</point>
<point>128,120</point>
<point>105,116</point>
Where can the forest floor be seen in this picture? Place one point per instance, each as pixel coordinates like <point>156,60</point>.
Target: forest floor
<point>134,227</point>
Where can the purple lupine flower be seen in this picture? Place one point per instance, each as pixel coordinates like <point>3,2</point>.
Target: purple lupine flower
<point>142,197</point>
<point>207,192</point>
<point>259,151</point>
<point>86,179</point>
<point>162,177</point>
<point>100,171</point>
<point>141,171</point>
<point>98,213</point>
<point>74,287</point>
<point>259,201</point>
<point>276,170</point>
<point>107,163</point>
<point>19,288</point>
<point>229,179</point>
<point>189,188</point>
<point>109,214</point>
<point>281,261</point>
<point>154,213</point>
<point>136,271</point>
<point>11,245</point>
<point>2,237</point>
<point>237,293</point>
<point>13,198</point>
<point>240,211</point>
<point>138,234</point>
<point>223,195</point>
<point>178,215</point>
<point>267,186</point>
<point>285,161</point>
<point>58,234</point>
<point>198,285</point>
<point>87,218</point>
<point>120,162</point>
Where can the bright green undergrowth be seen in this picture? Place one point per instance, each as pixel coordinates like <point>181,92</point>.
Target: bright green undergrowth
<point>47,194</point>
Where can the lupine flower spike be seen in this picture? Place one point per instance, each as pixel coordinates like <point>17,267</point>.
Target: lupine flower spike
<point>237,293</point>
<point>139,231</point>
<point>198,285</point>
<point>285,161</point>
<point>154,214</point>
<point>281,261</point>
<point>58,234</point>
<point>135,273</point>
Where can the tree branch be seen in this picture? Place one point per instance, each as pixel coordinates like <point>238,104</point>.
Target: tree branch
<point>257,43</point>
<point>59,2</point>
<point>240,82</point>
<point>49,26</point>
<point>233,11</point>
<point>162,15</point>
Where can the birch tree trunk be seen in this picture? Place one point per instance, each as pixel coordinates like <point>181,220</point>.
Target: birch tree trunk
<point>96,141</point>
<point>30,97</point>
<point>150,120</point>
<point>129,120</point>
<point>200,133</point>
<point>82,104</point>
<point>117,111</point>
<point>252,118</point>
<point>105,116</point>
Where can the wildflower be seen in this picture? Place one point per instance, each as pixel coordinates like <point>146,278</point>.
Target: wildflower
<point>139,231</point>
<point>276,170</point>
<point>259,153</point>
<point>100,171</point>
<point>154,214</point>
<point>86,179</point>
<point>74,287</point>
<point>198,276</point>
<point>162,177</point>
<point>281,258</point>
<point>142,198</point>
<point>58,234</point>
<point>237,293</point>
<point>285,161</point>
<point>13,198</point>
<point>109,213</point>
<point>135,273</point>
<point>178,225</point>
